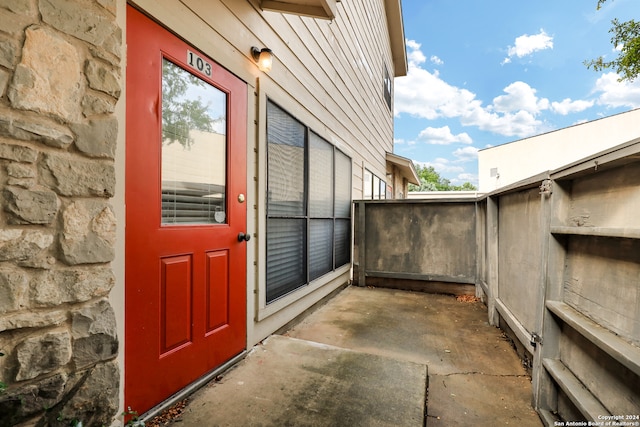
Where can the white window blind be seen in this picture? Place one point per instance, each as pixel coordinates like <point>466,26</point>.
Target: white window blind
<point>308,205</point>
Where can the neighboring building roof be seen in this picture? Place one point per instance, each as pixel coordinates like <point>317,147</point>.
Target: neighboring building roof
<point>515,161</point>
<point>405,166</point>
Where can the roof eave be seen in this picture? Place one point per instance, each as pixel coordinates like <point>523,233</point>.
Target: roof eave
<point>393,9</point>
<point>406,167</point>
<point>323,9</point>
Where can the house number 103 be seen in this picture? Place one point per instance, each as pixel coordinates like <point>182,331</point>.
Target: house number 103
<point>198,63</point>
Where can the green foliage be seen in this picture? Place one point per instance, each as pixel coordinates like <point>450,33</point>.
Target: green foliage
<point>467,186</point>
<point>3,386</point>
<point>180,114</point>
<point>430,180</point>
<point>626,36</point>
<point>71,422</point>
<point>133,419</point>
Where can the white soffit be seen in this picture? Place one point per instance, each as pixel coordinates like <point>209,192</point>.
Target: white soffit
<point>325,9</point>
<point>393,9</point>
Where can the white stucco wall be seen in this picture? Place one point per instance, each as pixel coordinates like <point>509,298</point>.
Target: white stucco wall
<point>509,163</point>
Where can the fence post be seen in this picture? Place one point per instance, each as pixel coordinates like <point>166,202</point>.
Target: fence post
<point>492,259</point>
<point>545,228</point>
<point>361,244</point>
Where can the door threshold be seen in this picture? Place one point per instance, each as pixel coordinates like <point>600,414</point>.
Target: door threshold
<point>190,389</point>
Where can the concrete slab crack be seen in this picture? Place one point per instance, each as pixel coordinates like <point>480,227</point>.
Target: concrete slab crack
<point>426,396</point>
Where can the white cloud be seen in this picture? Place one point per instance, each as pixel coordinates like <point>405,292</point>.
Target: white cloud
<point>415,56</point>
<point>426,95</point>
<point>567,106</point>
<point>447,167</point>
<point>519,96</point>
<point>442,165</point>
<point>617,94</point>
<point>465,177</point>
<point>443,136</point>
<point>521,123</point>
<point>526,45</point>
<point>466,154</point>
<point>436,60</point>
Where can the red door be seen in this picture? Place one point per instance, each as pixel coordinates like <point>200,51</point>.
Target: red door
<point>185,186</point>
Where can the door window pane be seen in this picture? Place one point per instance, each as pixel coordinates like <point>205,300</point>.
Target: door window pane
<point>194,149</point>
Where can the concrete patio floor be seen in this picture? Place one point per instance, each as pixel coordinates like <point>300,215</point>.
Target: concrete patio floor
<point>375,357</point>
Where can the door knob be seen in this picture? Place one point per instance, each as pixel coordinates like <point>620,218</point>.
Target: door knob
<point>243,237</point>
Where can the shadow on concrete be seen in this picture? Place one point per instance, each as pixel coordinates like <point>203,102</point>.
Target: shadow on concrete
<point>375,357</point>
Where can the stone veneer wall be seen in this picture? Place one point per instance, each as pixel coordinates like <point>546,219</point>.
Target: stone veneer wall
<point>60,74</point>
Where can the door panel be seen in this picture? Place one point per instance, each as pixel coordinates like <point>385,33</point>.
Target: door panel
<point>176,309</point>
<point>217,291</point>
<point>185,168</point>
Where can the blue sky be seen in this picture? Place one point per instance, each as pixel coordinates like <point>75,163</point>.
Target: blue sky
<point>484,73</point>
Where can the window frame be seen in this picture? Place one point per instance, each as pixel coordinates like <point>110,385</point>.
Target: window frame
<point>387,89</point>
<point>308,216</point>
<point>373,187</point>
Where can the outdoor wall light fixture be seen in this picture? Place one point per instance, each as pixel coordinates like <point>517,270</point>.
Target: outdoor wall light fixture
<point>263,57</point>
